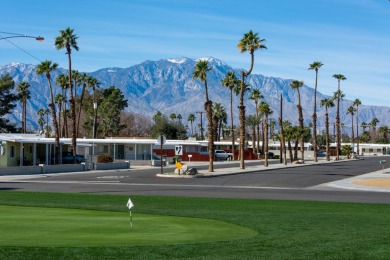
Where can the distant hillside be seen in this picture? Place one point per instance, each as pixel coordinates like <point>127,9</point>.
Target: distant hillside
<point>167,85</point>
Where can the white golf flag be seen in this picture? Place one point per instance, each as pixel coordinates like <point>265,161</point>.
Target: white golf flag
<point>130,204</point>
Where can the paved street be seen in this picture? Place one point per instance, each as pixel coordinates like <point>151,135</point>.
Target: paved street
<point>307,182</point>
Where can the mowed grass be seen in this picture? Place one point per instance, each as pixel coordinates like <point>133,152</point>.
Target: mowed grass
<point>37,226</point>
<point>285,229</point>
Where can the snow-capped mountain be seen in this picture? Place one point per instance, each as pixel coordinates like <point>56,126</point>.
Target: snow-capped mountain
<point>167,85</point>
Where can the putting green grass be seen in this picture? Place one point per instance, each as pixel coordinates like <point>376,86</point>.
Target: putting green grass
<point>38,226</point>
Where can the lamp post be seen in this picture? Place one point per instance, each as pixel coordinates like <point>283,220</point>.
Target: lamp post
<point>18,35</point>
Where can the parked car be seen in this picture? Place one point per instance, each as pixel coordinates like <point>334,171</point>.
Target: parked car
<point>321,154</point>
<point>67,158</point>
<point>222,155</point>
<point>270,154</point>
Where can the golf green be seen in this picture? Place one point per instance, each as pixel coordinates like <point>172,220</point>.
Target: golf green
<point>60,227</point>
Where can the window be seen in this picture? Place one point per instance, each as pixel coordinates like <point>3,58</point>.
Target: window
<point>12,152</point>
<point>364,150</point>
<point>379,150</point>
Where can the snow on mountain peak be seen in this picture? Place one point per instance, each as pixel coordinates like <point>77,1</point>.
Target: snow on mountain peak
<point>178,60</point>
<point>212,59</point>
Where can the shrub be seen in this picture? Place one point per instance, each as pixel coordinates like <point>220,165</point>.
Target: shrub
<point>104,158</point>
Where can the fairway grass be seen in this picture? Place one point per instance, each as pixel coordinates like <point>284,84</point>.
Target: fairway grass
<point>282,229</point>
<point>37,226</point>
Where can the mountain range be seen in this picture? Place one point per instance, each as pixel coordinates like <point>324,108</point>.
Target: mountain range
<point>167,86</point>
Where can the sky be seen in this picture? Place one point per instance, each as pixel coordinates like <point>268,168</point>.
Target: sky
<point>350,37</point>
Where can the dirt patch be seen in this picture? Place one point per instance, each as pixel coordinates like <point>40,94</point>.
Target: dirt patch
<point>381,182</point>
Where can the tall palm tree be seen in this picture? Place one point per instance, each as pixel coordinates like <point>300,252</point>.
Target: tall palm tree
<point>41,121</point>
<point>281,134</point>
<point>230,81</point>
<point>191,118</point>
<point>256,95</point>
<point>200,72</point>
<point>384,130</point>
<point>373,123</point>
<point>351,110</point>
<point>47,113</point>
<point>172,116</point>
<point>339,78</point>
<point>59,99</point>
<point>315,66</point>
<point>46,67</point>
<point>24,94</point>
<point>327,103</point>
<point>62,81</point>
<point>296,84</point>
<point>68,41</point>
<point>250,42</point>
<point>265,109</point>
<point>357,103</point>
<point>84,80</point>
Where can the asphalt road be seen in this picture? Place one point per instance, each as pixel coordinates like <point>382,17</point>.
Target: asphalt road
<point>300,183</point>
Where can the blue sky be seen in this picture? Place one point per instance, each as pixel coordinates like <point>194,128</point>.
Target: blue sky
<point>350,37</point>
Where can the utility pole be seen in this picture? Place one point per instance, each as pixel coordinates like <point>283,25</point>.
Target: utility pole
<point>201,124</point>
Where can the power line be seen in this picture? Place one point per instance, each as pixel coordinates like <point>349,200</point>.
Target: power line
<point>20,48</point>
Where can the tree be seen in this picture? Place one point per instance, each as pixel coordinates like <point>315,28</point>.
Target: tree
<point>230,81</point>
<point>264,108</point>
<point>256,95</point>
<point>191,118</point>
<point>46,67</point>
<point>219,117</point>
<point>200,72</point>
<point>249,43</point>
<point>7,99</point>
<point>62,81</point>
<point>112,103</point>
<point>252,122</point>
<point>68,41</point>
<point>315,66</point>
<point>296,84</point>
<point>288,135</point>
<point>47,113</point>
<point>351,110</point>
<point>59,100</point>
<point>384,130</point>
<point>373,124</point>
<point>327,103</point>
<point>169,128</point>
<point>357,103</point>
<point>172,116</point>
<point>24,94</point>
<point>339,78</point>
<point>346,150</point>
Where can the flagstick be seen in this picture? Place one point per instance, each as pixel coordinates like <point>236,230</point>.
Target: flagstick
<point>131,220</point>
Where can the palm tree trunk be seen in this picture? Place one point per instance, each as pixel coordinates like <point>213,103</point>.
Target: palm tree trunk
<point>353,135</point>
<point>231,117</point>
<point>80,106</point>
<point>327,135</point>
<point>290,150</point>
<point>242,122</point>
<point>315,119</point>
<point>208,108</point>
<point>54,119</point>
<point>24,128</point>
<point>357,127</point>
<point>254,139</point>
<point>72,108</point>
<point>266,142</point>
<point>301,126</point>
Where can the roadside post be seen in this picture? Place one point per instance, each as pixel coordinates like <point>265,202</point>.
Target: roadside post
<point>382,162</point>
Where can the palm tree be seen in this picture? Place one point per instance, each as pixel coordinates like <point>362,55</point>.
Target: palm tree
<point>191,118</point>
<point>47,113</point>
<point>200,72</point>
<point>288,135</point>
<point>315,66</point>
<point>256,95</point>
<point>373,123</point>
<point>384,130</point>
<point>94,83</point>
<point>357,103</point>
<point>46,67</point>
<point>327,103</point>
<point>230,81</point>
<point>281,134</point>
<point>84,80</point>
<point>24,94</point>
<point>172,116</point>
<point>179,117</point>
<point>296,84</point>
<point>251,121</point>
<point>59,99</point>
<point>219,117</point>
<point>339,78</point>
<point>264,108</point>
<point>62,81</point>
<point>351,110</point>
<point>68,40</point>
<point>41,120</point>
<point>249,43</point>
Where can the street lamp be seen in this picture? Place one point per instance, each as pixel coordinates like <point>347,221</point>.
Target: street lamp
<point>17,35</point>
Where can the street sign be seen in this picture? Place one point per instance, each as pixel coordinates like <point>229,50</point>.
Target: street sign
<point>161,139</point>
<point>178,150</point>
